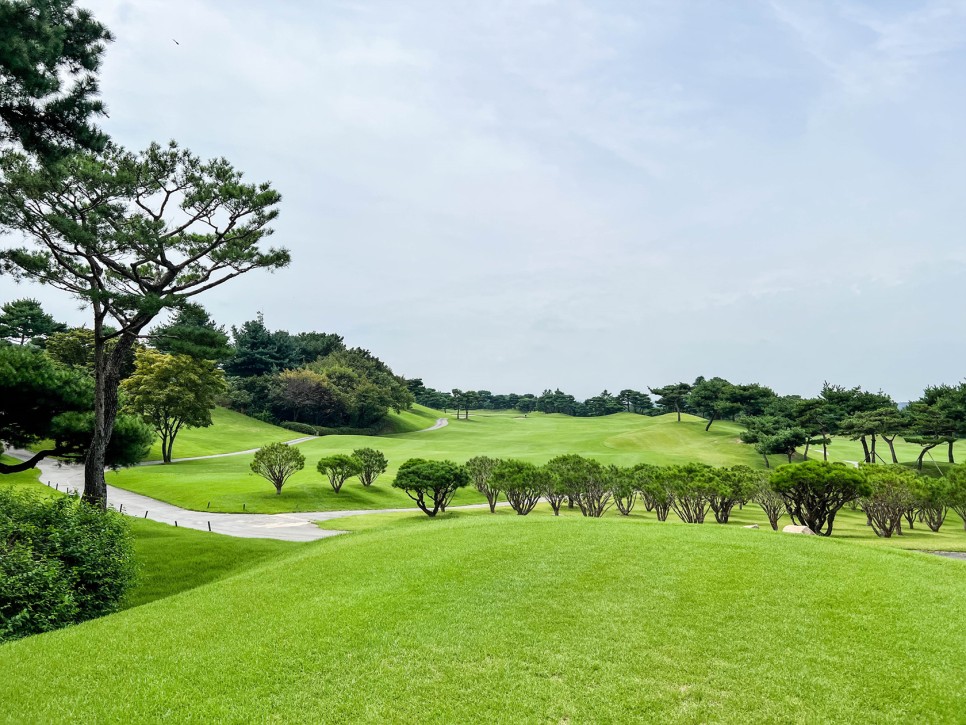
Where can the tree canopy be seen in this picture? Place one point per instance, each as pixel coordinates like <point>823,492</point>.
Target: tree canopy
<point>131,234</point>
<point>50,52</point>
<point>171,392</point>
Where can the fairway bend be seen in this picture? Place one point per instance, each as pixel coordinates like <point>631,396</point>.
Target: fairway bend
<point>301,526</point>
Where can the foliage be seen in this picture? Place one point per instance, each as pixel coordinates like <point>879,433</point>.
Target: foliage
<point>49,54</point>
<point>61,561</point>
<point>583,480</point>
<point>771,502</point>
<point>653,482</point>
<point>732,486</point>
<point>692,487</point>
<point>431,484</point>
<point>130,235</point>
<point>623,484</point>
<point>372,464</point>
<point>892,492</point>
<point>309,430</point>
<point>192,332</point>
<point>480,470</point>
<point>40,401</point>
<point>522,483</point>
<point>339,467</point>
<point>956,492</point>
<point>24,321</point>
<point>257,351</point>
<point>672,397</point>
<point>172,391</point>
<point>814,491</point>
<point>277,462</point>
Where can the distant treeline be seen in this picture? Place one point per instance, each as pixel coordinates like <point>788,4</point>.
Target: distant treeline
<point>775,424</point>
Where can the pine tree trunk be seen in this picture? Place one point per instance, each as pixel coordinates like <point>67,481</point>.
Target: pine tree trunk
<point>107,381</point>
<point>951,458</point>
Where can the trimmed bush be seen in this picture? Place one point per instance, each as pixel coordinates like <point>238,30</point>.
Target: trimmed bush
<point>62,561</point>
<point>304,428</point>
<point>431,484</point>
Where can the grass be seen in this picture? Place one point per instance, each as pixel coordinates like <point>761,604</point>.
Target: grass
<point>172,560</point>
<point>849,525</point>
<point>24,481</point>
<point>621,439</point>
<point>229,432</point>
<point>506,619</point>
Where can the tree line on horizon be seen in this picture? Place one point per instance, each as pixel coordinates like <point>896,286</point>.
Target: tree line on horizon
<point>775,424</point>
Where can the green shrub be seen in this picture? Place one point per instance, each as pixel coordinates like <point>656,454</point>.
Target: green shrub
<point>304,428</point>
<point>62,561</point>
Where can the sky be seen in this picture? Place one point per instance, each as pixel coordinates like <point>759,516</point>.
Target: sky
<point>519,195</point>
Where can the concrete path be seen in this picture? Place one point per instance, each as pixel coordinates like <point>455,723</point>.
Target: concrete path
<point>293,442</point>
<point>440,423</point>
<point>287,527</point>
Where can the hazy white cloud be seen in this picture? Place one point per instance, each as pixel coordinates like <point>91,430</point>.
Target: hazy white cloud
<point>514,195</point>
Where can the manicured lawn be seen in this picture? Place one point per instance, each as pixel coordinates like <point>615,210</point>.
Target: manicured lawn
<point>511,619</point>
<point>172,560</point>
<point>849,525</point>
<point>622,439</point>
<point>843,449</point>
<point>24,481</point>
<point>229,432</point>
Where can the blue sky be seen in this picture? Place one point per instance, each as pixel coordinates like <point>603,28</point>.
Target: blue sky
<point>515,195</point>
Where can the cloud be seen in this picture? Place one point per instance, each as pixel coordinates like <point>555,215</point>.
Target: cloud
<point>515,195</point>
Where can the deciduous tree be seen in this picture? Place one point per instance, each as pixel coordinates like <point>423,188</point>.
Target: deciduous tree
<point>372,464</point>
<point>480,470</point>
<point>277,463</point>
<point>171,392</point>
<point>339,467</point>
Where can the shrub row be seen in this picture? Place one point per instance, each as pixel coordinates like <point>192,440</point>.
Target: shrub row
<point>62,561</point>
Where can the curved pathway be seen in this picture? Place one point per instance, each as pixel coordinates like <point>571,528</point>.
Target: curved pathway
<point>299,526</point>
<point>440,423</point>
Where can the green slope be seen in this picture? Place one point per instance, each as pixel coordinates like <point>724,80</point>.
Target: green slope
<point>505,619</point>
<point>622,439</point>
<point>229,432</point>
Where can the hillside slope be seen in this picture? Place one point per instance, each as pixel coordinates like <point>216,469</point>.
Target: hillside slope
<point>623,439</point>
<point>501,618</point>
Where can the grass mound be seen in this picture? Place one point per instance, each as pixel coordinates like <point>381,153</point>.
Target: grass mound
<point>507,619</point>
<point>229,432</point>
<point>623,439</point>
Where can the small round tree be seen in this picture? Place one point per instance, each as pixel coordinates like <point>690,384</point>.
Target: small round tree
<point>892,492</point>
<point>480,470</point>
<point>692,486</point>
<point>338,468</point>
<point>431,484</point>
<point>522,483</point>
<point>623,486</point>
<point>371,462</point>
<point>815,491</point>
<point>278,462</point>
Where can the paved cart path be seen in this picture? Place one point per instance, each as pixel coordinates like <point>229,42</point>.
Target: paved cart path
<point>299,526</point>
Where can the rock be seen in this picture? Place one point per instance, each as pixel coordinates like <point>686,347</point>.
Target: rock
<point>752,526</point>
<point>798,530</point>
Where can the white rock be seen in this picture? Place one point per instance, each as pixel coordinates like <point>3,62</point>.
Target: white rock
<point>752,526</point>
<point>797,530</point>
